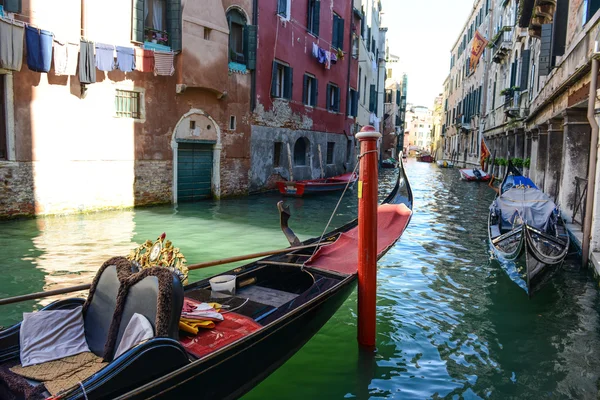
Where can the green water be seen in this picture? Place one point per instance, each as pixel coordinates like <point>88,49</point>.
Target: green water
<point>451,324</point>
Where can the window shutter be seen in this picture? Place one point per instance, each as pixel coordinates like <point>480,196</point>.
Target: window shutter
<point>287,90</point>
<point>173,23</point>
<point>340,40</point>
<point>14,6</point>
<point>349,102</point>
<point>546,50</point>
<point>372,99</point>
<point>334,36</point>
<point>274,80</point>
<point>250,34</point>
<point>336,97</point>
<point>328,99</point>
<point>316,17</point>
<point>513,74</point>
<point>355,103</point>
<point>305,90</point>
<point>137,21</point>
<point>315,92</point>
<point>281,9</point>
<point>398,98</point>
<point>524,83</point>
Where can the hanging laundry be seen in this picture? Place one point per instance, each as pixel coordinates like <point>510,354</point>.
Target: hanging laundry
<point>87,62</point>
<point>315,50</point>
<point>334,57</point>
<point>65,57</point>
<point>11,45</point>
<point>163,63</point>
<point>322,56</point>
<point>144,60</point>
<point>327,60</point>
<point>39,49</point>
<point>105,57</point>
<point>374,65</point>
<point>125,58</point>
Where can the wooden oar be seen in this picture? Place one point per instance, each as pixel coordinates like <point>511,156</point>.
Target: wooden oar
<point>71,289</point>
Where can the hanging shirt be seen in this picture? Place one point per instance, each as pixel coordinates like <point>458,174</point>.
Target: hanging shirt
<point>322,57</point>
<point>65,58</point>
<point>334,57</point>
<point>327,60</point>
<point>315,50</point>
<point>39,49</point>
<point>72,57</point>
<point>105,57</point>
<point>125,59</point>
<point>163,63</point>
<point>11,45</point>
<point>144,60</point>
<point>87,62</point>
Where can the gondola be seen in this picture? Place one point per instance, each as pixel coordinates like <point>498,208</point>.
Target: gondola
<point>445,164</point>
<point>427,158</point>
<point>524,225</point>
<point>316,186</point>
<point>279,303</point>
<point>389,163</point>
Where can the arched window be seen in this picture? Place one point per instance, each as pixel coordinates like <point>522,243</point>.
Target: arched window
<point>237,24</point>
<point>300,151</point>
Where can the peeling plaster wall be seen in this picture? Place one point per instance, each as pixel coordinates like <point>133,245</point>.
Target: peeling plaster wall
<point>263,173</point>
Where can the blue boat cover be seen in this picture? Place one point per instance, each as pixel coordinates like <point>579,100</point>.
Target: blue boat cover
<point>523,180</point>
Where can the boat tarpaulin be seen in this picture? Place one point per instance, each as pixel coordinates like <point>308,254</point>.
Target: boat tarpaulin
<point>342,255</point>
<point>529,205</point>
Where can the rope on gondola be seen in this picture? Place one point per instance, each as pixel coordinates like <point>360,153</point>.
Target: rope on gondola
<point>338,204</point>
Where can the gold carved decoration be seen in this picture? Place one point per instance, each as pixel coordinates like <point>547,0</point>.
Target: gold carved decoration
<point>160,253</point>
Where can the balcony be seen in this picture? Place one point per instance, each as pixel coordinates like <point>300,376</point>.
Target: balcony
<point>501,44</point>
<point>512,103</point>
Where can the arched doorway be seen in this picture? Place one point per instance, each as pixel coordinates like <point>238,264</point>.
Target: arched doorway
<point>196,144</point>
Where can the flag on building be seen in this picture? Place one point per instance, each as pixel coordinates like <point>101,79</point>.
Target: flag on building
<point>485,153</point>
<point>479,43</point>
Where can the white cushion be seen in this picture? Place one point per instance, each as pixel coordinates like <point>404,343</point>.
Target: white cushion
<point>50,335</point>
<point>138,329</point>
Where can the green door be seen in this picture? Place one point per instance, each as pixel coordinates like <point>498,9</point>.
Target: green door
<point>194,171</point>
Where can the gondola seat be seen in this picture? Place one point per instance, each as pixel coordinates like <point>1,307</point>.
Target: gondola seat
<point>116,294</point>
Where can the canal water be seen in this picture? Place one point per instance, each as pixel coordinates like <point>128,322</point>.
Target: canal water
<point>451,324</point>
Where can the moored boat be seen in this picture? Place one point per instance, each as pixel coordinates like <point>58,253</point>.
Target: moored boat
<point>428,158</point>
<point>277,304</point>
<point>389,163</point>
<point>445,164</point>
<point>474,175</point>
<point>316,186</point>
<point>525,227</point>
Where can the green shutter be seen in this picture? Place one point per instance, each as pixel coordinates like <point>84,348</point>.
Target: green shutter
<point>12,6</point>
<point>315,91</point>
<point>250,35</point>
<point>372,99</point>
<point>524,84</point>
<point>316,17</point>
<point>274,79</point>
<point>340,40</point>
<point>282,8</point>
<point>328,97</point>
<point>137,22</point>
<point>174,23</point>
<point>355,96</point>
<point>337,99</point>
<point>287,90</point>
<point>335,35</point>
<point>305,90</point>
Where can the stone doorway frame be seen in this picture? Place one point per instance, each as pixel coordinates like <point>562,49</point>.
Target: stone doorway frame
<point>216,168</point>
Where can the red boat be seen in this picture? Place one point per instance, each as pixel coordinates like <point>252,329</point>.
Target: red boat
<point>477,175</point>
<point>314,186</point>
<point>426,158</point>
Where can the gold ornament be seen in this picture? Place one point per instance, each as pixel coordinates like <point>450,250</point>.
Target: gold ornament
<point>160,254</point>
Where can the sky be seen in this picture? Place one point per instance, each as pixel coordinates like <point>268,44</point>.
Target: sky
<point>422,33</point>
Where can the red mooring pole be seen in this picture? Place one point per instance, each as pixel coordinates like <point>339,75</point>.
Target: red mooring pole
<point>367,236</point>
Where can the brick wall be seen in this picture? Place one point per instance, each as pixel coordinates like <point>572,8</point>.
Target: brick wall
<point>16,190</point>
<point>153,182</point>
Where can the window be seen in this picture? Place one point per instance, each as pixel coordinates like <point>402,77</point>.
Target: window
<point>330,148</point>
<point>388,95</point>
<point>283,8</point>
<point>232,123</point>
<point>333,97</point>
<point>310,90</point>
<point>372,99</point>
<point>337,40</point>
<point>277,154</point>
<point>207,33</point>
<point>314,15</point>
<point>353,103</point>
<point>157,22</point>
<point>236,23</point>
<point>281,81</point>
<point>354,46</point>
<point>300,151</point>
<point>127,104</point>
<point>11,5</point>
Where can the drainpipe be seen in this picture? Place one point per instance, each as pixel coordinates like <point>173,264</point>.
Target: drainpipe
<point>589,205</point>
<point>253,76</point>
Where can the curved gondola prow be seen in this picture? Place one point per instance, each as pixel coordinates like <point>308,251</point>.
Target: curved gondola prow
<point>402,192</point>
<point>511,172</point>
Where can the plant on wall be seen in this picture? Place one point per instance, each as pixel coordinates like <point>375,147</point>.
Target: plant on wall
<point>500,161</point>
<point>527,162</point>
<point>517,162</point>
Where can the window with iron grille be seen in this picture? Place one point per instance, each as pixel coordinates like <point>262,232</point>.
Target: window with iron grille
<point>127,104</point>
